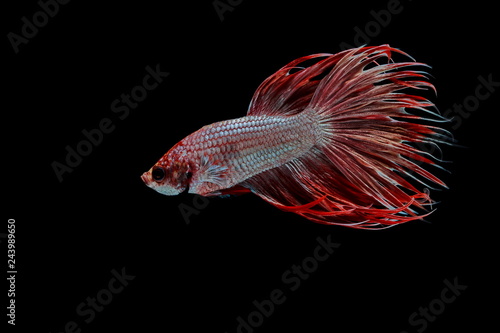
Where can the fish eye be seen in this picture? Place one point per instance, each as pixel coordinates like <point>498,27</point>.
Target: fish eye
<point>158,173</point>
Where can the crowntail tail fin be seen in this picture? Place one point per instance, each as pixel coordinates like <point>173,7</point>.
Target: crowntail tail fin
<point>359,172</point>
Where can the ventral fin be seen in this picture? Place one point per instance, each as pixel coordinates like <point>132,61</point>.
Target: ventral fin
<point>235,190</point>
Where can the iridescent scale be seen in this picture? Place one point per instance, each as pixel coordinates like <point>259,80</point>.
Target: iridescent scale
<point>250,145</point>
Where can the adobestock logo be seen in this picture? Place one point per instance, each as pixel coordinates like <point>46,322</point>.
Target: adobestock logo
<point>223,6</point>
<point>381,19</point>
<point>199,203</point>
<point>292,279</point>
<point>456,115</point>
<point>89,309</point>
<point>95,136</point>
<point>39,19</point>
<point>484,89</point>
<point>420,319</point>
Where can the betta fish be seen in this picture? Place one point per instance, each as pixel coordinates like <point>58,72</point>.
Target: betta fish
<point>336,141</point>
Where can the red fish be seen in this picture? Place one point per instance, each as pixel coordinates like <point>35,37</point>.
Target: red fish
<point>332,142</point>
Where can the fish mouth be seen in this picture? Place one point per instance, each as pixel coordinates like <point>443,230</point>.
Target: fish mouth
<point>146,179</point>
<point>160,188</point>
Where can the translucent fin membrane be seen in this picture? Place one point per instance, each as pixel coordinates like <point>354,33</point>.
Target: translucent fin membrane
<point>356,174</point>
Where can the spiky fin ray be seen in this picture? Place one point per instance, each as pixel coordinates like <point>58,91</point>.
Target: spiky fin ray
<point>286,93</point>
<point>355,175</point>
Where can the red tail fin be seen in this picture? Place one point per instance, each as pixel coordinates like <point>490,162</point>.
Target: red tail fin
<point>355,175</point>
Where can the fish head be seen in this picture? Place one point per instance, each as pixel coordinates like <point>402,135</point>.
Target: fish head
<point>168,176</point>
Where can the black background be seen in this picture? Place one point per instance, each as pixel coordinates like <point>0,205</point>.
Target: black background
<point>199,277</point>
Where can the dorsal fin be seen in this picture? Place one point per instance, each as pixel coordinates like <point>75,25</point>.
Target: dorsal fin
<point>286,92</point>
